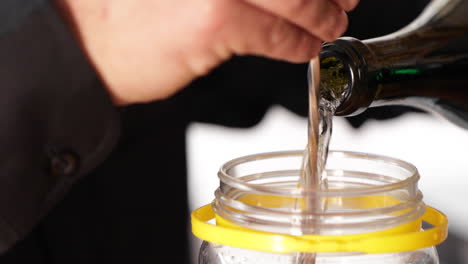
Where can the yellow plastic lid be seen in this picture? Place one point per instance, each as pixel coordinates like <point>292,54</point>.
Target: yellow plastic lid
<point>407,237</point>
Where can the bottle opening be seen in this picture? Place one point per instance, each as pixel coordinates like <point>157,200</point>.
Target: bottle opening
<point>335,78</point>
<point>344,67</point>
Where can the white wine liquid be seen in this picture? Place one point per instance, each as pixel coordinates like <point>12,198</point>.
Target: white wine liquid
<point>313,174</point>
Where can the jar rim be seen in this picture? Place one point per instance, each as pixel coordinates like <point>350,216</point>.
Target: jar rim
<point>363,191</point>
<point>233,181</point>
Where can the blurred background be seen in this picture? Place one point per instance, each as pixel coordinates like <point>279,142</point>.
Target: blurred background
<point>435,146</point>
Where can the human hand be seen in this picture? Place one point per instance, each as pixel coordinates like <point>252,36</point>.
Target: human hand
<point>146,50</point>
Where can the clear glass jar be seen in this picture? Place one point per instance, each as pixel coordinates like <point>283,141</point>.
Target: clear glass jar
<point>371,212</point>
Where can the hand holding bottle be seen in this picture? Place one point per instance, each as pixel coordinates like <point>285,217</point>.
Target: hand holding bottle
<point>148,49</point>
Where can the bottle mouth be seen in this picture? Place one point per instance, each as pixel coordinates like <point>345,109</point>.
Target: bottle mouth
<point>365,193</point>
<point>344,75</point>
<point>335,77</point>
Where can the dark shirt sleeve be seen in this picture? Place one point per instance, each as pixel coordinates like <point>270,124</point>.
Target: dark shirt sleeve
<point>56,121</point>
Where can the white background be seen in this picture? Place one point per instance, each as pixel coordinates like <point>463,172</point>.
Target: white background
<point>436,147</point>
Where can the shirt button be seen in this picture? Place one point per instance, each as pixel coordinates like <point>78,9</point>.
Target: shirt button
<point>64,163</point>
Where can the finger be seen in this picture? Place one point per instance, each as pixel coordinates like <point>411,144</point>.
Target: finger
<point>250,30</point>
<point>347,5</point>
<point>323,18</point>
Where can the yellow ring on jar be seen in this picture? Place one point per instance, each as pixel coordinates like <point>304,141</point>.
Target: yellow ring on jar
<point>406,237</point>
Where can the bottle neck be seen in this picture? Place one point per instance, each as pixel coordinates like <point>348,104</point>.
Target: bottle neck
<point>365,194</point>
<point>435,35</point>
<point>414,62</point>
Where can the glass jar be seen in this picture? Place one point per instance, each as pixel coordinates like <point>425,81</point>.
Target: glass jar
<point>371,212</point>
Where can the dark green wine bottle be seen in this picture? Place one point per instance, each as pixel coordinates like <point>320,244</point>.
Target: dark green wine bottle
<point>424,65</point>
